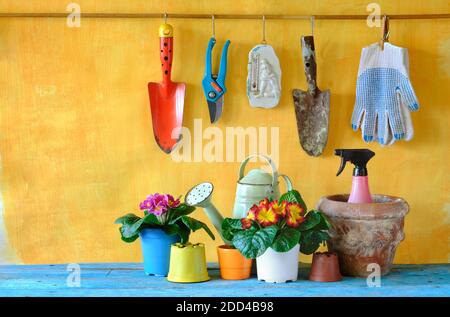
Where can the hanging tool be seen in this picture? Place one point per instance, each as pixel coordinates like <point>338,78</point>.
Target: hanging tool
<point>167,97</point>
<point>264,74</point>
<point>214,84</point>
<point>312,107</point>
<point>384,95</point>
<point>385,36</point>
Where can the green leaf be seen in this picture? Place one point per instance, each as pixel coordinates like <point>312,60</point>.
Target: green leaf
<point>231,223</point>
<point>286,239</point>
<point>128,218</point>
<point>324,224</point>
<point>183,232</point>
<point>130,228</point>
<point>312,220</point>
<point>127,239</point>
<point>195,225</point>
<point>293,196</point>
<point>181,210</point>
<point>310,241</point>
<point>130,231</point>
<point>254,242</point>
<point>171,229</point>
<point>229,227</point>
<point>152,220</point>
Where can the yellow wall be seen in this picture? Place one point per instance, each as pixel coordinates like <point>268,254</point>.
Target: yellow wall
<point>76,141</point>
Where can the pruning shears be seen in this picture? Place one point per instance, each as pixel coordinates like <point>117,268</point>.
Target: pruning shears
<point>214,84</point>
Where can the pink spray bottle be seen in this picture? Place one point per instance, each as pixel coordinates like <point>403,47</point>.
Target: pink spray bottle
<point>360,184</point>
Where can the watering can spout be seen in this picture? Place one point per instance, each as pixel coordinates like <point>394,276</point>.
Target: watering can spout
<point>200,196</point>
<point>216,219</point>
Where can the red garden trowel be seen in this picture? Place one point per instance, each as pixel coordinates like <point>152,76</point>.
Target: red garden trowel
<point>312,107</point>
<point>167,97</point>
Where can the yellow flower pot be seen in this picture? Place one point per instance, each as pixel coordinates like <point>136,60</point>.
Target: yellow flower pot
<point>187,263</point>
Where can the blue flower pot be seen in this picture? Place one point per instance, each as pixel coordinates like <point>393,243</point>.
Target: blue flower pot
<point>156,251</point>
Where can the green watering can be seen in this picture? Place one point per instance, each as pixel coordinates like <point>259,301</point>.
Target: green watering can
<point>250,189</point>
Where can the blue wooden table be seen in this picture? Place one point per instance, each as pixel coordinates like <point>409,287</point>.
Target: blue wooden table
<point>128,279</point>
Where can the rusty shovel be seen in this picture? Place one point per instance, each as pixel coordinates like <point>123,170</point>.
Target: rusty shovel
<point>312,107</point>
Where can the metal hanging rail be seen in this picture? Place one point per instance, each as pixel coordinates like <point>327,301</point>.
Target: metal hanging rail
<point>221,16</point>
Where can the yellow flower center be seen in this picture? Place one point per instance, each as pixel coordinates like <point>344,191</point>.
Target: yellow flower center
<point>279,208</point>
<point>294,215</point>
<point>266,216</point>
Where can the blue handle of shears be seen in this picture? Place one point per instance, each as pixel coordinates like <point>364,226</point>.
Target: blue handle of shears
<point>223,66</point>
<point>209,81</point>
<point>208,69</point>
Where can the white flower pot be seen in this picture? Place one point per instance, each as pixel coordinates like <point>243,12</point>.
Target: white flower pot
<point>278,267</point>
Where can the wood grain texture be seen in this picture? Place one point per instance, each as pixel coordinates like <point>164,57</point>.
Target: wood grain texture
<point>128,279</point>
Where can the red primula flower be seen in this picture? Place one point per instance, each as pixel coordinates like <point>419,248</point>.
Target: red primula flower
<point>278,207</point>
<point>294,215</point>
<point>246,223</point>
<point>264,203</point>
<point>266,216</point>
<point>253,212</point>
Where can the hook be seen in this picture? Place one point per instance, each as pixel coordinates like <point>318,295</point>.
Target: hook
<point>165,17</point>
<point>385,35</point>
<point>264,29</point>
<point>213,27</point>
<point>386,29</point>
<point>312,25</point>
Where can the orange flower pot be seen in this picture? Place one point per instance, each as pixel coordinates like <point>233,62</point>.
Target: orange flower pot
<point>233,265</point>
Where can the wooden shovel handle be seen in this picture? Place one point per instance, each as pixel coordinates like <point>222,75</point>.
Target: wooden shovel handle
<point>309,62</point>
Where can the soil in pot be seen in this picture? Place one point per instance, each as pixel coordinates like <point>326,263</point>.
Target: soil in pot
<point>233,265</point>
<point>325,267</point>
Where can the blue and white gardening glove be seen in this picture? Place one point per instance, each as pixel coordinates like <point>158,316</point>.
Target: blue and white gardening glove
<point>384,95</point>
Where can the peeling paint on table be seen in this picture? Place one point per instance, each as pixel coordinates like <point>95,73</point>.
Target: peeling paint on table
<point>128,279</point>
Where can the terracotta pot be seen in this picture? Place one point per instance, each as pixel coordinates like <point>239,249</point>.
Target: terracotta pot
<point>278,267</point>
<point>325,267</point>
<point>364,234</point>
<point>187,263</point>
<point>233,265</point>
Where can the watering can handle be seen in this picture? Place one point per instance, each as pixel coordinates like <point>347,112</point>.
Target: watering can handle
<point>287,181</point>
<point>268,160</point>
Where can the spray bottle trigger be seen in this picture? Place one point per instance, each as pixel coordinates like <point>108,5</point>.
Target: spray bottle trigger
<point>341,168</point>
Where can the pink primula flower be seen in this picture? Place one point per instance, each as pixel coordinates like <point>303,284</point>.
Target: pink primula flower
<point>172,202</point>
<point>158,204</point>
